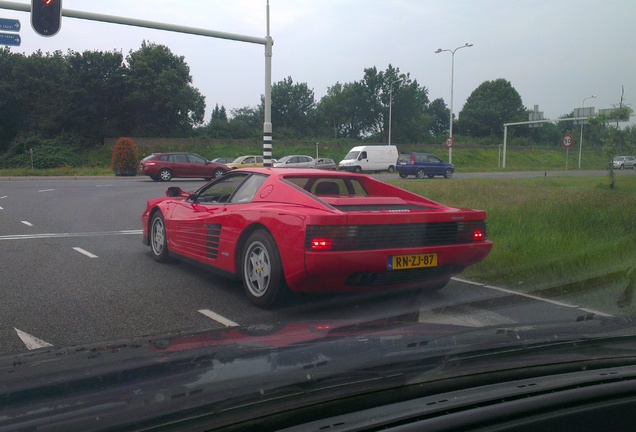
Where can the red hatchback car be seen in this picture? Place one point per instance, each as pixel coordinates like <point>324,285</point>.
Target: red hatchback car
<point>311,230</point>
<point>165,166</point>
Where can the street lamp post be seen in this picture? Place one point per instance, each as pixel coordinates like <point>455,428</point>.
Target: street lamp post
<point>450,130</point>
<point>391,106</point>
<point>581,140</point>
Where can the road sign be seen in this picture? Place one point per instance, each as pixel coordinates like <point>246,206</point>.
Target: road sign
<point>12,25</point>
<point>449,142</point>
<point>567,141</point>
<point>10,39</point>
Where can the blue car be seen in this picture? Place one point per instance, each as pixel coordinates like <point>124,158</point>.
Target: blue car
<point>423,165</point>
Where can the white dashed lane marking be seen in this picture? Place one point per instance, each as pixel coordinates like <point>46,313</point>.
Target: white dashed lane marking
<point>218,318</point>
<point>84,252</point>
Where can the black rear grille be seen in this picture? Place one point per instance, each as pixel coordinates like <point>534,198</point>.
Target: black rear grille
<point>368,237</point>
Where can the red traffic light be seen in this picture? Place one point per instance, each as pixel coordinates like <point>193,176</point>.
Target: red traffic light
<point>46,16</point>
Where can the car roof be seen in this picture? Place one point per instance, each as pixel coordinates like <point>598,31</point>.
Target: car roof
<point>280,172</point>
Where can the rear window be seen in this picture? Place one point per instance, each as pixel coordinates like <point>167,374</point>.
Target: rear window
<point>404,157</point>
<point>324,186</point>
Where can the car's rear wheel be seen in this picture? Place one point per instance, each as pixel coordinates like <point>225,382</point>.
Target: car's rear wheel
<point>218,173</point>
<point>263,279</point>
<point>158,238</point>
<point>391,169</point>
<point>165,174</point>
<point>420,174</point>
<point>449,173</point>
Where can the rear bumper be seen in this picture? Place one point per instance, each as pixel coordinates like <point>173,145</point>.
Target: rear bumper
<point>359,271</point>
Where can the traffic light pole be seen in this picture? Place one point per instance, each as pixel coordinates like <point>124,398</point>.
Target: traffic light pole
<point>266,41</point>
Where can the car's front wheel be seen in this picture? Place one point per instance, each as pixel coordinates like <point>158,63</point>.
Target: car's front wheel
<point>263,278</point>
<point>158,238</point>
<point>420,174</point>
<point>165,175</point>
<point>449,173</point>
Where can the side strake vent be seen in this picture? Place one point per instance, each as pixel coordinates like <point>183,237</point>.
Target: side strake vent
<point>213,239</point>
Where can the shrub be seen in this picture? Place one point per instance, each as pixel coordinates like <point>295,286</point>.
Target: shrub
<point>125,157</point>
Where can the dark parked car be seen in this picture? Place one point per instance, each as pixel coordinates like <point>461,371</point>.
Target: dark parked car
<point>165,166</point>
<point>423,165</point>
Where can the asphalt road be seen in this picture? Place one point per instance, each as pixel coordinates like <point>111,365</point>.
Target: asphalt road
<point>73,270</point>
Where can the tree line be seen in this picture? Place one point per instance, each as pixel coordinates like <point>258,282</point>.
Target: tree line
<point>77,99</point>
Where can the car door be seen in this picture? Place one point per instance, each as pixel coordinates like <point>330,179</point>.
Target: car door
<point>435,165</point>
<point>195,225</point>
<point>179,165</point>
<point>198,166</point>
<point>305,162</point>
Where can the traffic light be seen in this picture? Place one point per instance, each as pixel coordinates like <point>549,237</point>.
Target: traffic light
<point>46,16</point>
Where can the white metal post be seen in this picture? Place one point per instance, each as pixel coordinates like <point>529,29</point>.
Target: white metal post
<point>450,128</point>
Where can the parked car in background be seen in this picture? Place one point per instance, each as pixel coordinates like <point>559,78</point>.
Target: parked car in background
<point>302,161</point>
<point>370,158</point>
<point>223,160</point>
<point>324,163</point>
<point>423,165</point>
<point>249,161</point>
<point>622,162</point>
<point>166,166</point>
<point>295,161</point>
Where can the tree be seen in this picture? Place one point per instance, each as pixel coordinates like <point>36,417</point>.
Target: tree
<point>390,94</point>
<point>95,93</point>
<point>219,126</point>
<point>339,110</point>
<point>293,108</point>
<point>440,115</point>
<point>488,107</point>
<point>161,100</point>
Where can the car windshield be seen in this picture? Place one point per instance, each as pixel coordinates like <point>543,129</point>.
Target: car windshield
<point>425,197</point>
<point>352,155</point>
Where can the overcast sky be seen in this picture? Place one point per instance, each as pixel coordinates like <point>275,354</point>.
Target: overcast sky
<point>555,53</point>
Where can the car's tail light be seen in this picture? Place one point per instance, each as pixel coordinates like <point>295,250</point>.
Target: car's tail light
<point>479,235</point>
<point>331,237</point>
<point>321,244</point>
<point>150,163</point>
<point>412,159</point>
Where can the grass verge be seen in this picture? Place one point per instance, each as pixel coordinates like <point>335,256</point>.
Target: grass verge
<point>555,235</point>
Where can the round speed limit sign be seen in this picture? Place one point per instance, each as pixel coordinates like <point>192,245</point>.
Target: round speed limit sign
<point>449,142</point>
<point>567,141</point>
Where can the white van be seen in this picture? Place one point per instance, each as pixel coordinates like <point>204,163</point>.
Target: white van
<point>370,158</point>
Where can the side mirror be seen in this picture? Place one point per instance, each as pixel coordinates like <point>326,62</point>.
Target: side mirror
<point>176,191</point>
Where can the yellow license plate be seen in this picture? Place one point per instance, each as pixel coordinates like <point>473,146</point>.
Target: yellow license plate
<point>401,262</point>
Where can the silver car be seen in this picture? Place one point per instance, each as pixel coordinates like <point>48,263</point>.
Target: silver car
<point>622,162</point>
<point>295,161</point>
